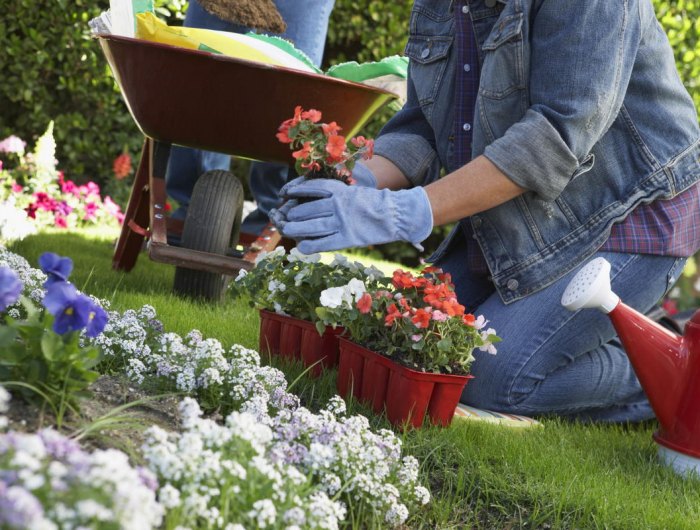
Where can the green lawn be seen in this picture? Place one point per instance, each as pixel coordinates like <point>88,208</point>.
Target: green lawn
<point>560,476</point>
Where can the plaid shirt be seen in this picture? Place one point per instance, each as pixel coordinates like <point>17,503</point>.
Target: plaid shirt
<point>663,227</point>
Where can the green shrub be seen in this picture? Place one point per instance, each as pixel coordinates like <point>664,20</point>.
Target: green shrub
<point>53,70</point>
<point>681,20</point>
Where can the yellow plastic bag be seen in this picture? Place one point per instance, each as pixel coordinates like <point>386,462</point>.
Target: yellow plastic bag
<point>150,27</point>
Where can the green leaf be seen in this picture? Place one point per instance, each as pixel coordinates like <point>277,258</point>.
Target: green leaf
<point>51,344</point>
<point>444,345</point>
<point>8,335</point>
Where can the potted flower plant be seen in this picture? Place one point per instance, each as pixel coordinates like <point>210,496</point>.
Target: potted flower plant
<point>410,346</point>
<point>318,148</point>
<point>286,289</point>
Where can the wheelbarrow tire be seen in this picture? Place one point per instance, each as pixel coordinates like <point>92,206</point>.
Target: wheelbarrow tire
<point>212,225</point>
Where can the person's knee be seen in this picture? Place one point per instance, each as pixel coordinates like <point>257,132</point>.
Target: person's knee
<point>494,384</point>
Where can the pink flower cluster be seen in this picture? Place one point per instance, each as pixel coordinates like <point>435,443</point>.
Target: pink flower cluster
<point>89,203</point>
<point>46,195</point>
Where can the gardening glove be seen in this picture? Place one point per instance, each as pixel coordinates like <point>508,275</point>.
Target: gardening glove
<point>343,216</point>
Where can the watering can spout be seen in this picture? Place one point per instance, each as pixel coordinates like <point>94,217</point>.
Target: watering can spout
<point>657,355</point>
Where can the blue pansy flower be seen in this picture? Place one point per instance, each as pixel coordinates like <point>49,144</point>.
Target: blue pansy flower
<point>56,267</point>
<point>71,310</point>
<point>10,287</point>
<point>96,321</point>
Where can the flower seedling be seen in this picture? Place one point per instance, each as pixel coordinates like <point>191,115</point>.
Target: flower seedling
<point>318,148</point>
<point>415,319</point>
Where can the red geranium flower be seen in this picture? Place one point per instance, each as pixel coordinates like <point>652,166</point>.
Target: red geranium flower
<point>336,147</point>
<point>304,152</point>
<point>364,304</point>
<point>330,129</point>
<point>421,319</point>
<point>313,115</point>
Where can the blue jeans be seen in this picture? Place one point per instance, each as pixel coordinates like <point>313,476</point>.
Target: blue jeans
<point>553,361</point>
<point>307,27</point>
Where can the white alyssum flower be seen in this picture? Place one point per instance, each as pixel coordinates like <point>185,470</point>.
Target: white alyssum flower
<point>263,513</point>
<point>53,473</point>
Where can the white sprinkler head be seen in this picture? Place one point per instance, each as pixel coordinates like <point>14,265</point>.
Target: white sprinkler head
<point>591,288</point>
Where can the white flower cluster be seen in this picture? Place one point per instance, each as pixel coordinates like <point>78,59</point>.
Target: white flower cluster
<point>32,279</point>
<point>343,296</point>
<point>346,457</point>
<point>14,223</point>
<point>220,476</point>
<point>135,343</point>
<point>49,482</point>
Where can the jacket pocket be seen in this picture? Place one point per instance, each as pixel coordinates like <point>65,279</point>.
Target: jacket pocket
<point>428,59</point>
<point>503,62</point>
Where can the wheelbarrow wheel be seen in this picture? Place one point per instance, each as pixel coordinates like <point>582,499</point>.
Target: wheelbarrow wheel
<point>212,225</point>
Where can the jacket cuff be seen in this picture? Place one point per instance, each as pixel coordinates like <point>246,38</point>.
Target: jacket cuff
<point>520,155</point>
<point>411,153</point>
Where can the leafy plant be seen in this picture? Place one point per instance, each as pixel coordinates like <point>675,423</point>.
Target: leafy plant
<point>42,353</point>
<point>416,320</point>
<point>321,151</point>
<point>292,283</point>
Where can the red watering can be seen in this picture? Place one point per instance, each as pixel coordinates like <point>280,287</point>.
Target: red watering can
<point>667,366</point>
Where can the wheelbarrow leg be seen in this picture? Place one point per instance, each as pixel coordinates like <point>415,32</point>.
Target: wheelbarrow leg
<point>134,226</point>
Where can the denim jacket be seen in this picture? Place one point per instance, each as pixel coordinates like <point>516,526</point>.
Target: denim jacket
<point>579,103</point>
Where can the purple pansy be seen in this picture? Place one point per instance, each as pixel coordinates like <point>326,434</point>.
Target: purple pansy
<point>56,267</point>
<point>10,287</point>
<point>70,309</point>
<point>96,321</point>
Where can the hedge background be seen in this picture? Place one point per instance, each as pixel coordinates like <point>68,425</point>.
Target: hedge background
<point>51,69</point>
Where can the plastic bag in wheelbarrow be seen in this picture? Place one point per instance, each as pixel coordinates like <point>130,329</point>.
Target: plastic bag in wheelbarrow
<point>150,27</point>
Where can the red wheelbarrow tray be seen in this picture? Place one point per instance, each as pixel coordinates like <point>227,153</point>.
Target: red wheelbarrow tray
<point>207,101</point>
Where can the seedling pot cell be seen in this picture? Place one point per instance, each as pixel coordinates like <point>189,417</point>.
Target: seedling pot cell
<point>319,351</point>
<point>406,395</point>
<point>295,338</point>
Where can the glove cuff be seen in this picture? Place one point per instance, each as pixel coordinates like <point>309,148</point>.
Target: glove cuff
<point>363,176</point>
<point>414,213</point>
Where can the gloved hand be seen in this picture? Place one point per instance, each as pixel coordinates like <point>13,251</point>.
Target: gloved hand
<point>345,216</point>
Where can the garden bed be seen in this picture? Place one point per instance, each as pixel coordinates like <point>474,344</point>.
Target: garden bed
<point>562,476</point>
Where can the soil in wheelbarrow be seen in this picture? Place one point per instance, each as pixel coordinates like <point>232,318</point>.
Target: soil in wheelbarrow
<point>256,14</point>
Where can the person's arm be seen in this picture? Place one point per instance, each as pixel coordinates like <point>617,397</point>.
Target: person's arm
<point>487,187</point>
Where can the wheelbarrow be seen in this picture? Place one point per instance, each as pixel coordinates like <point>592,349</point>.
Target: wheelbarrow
<point>217,103</point>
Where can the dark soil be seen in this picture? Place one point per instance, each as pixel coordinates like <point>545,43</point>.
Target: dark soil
<point>256,14</point>
<point>108,392</point>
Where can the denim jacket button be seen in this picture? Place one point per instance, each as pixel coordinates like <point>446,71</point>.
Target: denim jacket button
<point>424,54</point>
<point>512,284</point>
